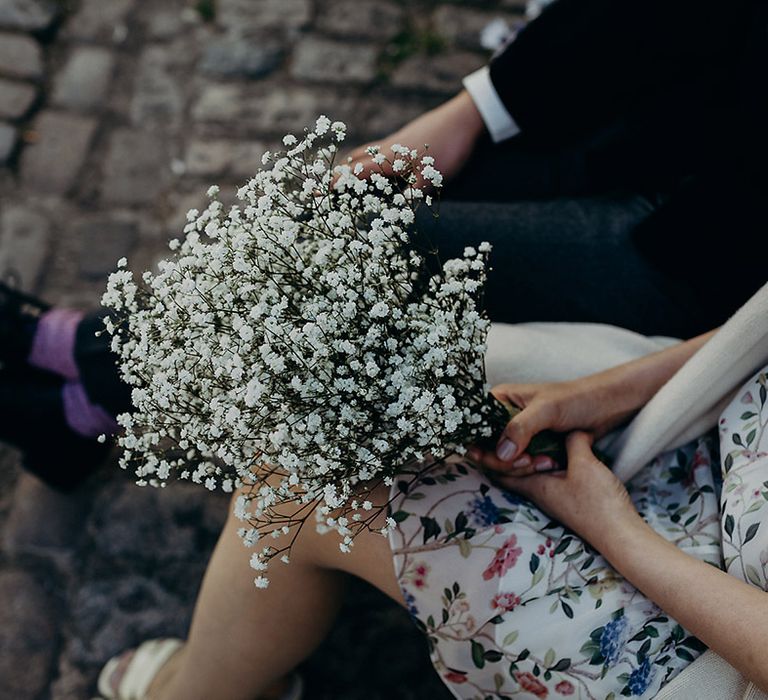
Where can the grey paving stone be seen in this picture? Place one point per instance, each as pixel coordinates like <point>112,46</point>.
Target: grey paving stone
<point>28,636</point>
<point>158,98</point>
<point>71,682</point>
<point>382,116</point>
<point>247,16</point>
<point>43,521</point>
<point>25,239</point>
<point>83,82</point>
<point>147,524</point>
<point>461,26</point>
<point>271,110</point>
<point>97,20</point>
<point>212,157</point>
<point>324,60</point>
<point>20,56</point>
<point>136,167</point>
<point>246,161</point>
<point>162,22</point>
<point>208,157</point>
<point>27,15</point>
<point>439,74</point>
<point>15,98</point>
<point>515,5</point>
<point>51,164</point>
<point>365,19</point>
<point>115,614</point>
<point>8,138</point>
<point>220,103</point>
<point>181,203</point>
<point>239,57</point>
<point>103,241</point>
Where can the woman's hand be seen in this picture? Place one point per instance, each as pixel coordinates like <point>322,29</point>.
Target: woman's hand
<point>725,613</point>
<point>597,403</point>
<point>591,403</point>
<point>451,131</point>
<point>586,497</point>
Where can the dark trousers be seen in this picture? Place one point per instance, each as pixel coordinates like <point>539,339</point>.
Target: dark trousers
<point>563,248</point>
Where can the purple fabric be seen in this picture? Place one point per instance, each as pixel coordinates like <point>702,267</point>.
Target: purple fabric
<point>85,418</point>
<point>53,345</point>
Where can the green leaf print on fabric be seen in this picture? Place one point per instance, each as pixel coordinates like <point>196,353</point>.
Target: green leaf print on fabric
<point>745,488</point>
<point>504,593</point>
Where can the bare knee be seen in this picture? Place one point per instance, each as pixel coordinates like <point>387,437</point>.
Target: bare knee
<point>291,533</point>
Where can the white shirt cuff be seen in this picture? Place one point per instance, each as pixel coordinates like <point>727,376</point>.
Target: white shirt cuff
<point>497,119</point>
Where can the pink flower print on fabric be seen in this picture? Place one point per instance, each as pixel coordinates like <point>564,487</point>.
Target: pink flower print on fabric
<point>504,559</point>
<point>530,683</point>
<point>456,677</point>
<point>505,601</point>
<point>420,572</point>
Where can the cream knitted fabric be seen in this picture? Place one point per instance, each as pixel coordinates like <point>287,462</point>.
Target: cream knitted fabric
<point>690,403</point>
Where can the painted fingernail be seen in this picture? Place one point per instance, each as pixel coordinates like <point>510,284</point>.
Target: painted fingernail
<point>546,465</point>
<point>506,449</point>
<point>524,461</point>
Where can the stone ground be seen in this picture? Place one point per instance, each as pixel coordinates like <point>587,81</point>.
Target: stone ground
<point>115,116</point>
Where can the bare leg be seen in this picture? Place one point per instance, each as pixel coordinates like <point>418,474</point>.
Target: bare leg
<point>243,640</point>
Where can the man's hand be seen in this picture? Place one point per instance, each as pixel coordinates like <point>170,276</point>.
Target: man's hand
<point>450,130</point>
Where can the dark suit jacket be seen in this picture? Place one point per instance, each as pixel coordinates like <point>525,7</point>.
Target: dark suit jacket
<point>669,95</point>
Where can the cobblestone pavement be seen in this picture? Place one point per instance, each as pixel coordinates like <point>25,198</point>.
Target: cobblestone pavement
<point>115,116</point>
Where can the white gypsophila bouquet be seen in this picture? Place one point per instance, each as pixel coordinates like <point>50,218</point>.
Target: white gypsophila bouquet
<point>303,344</point>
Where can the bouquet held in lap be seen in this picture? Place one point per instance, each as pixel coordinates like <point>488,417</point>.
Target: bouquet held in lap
<point>304,333</point>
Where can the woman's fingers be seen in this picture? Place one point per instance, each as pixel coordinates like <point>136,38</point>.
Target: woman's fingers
<point>578,445</point>
<point>537,487</point>
<point>543,463</point>
<point>489,460</point>
<point>524,465</point>
<point>518,432</point>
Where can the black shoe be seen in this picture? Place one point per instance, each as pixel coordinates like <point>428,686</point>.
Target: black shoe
<point>19,315</point>
<point>32,419</point>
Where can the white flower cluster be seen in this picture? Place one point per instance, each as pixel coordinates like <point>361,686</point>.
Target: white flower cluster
<point>302,343</point>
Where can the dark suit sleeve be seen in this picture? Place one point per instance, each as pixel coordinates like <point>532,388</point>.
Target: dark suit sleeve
<point>584,63</point>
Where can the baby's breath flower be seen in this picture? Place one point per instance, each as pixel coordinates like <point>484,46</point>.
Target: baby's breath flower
<point>302,336</point>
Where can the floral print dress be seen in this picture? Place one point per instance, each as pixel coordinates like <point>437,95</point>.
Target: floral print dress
<point>515,606</point>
